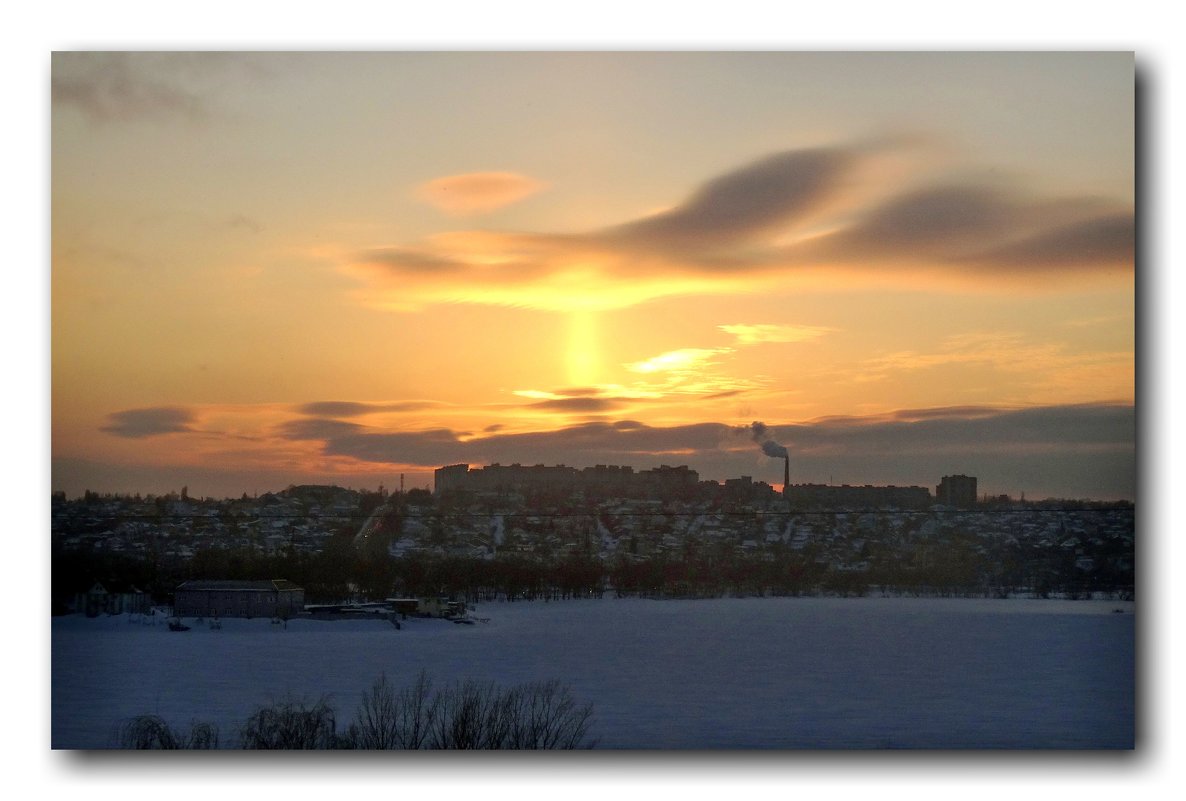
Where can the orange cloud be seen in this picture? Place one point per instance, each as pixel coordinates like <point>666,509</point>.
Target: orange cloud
<point>477,192</point>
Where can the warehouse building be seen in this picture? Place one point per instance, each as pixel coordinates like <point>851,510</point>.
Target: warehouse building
<point>275,598</point>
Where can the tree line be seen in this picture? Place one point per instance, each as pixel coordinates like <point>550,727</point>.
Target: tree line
<point>341,573</point>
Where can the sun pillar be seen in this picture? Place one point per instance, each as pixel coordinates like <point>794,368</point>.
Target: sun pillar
<point>582,360</point>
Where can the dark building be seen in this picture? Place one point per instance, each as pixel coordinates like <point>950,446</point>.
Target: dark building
<point>956,491</point>
<point>275,598</point>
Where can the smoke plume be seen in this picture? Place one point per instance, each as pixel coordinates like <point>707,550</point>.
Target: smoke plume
<point>772,448</point>
<point>761,434</point>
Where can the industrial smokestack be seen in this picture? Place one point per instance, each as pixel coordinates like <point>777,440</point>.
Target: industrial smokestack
<point>761,435</point>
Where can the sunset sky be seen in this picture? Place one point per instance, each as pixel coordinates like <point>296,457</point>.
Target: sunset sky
<point>274,268</point>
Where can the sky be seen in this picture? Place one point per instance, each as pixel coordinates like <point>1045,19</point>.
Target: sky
<point>283,268</point>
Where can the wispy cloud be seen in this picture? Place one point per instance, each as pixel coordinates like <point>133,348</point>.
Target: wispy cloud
<point>761,333</point>
<point>477,192</point>
<point>659,385</point>
<point>1047,365</point>
<point>1007,350</point>
<point>684,360</point>
<point>682,373</point>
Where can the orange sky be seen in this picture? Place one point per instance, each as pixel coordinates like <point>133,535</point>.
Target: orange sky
<point>281,268</point>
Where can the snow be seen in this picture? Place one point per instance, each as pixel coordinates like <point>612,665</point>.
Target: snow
<point>721,673</point>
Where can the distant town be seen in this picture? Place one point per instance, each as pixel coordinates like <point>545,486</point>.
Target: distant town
<point>522,532</point>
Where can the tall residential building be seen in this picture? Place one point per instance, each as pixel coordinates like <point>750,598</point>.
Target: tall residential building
<point>956,491</point>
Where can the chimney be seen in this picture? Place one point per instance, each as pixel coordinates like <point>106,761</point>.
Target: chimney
<point>786,473</point>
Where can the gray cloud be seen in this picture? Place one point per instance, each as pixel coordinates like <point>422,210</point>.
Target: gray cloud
<point>964,412</point>
<point>983,229</point>
<point>577,404</point>
<point>930,220</point>
<point>243,221</point>
<point>740,205</point>
<point>1098,241</point>
<point>623,440</point>
<point>731,226</point>
<point>1085,451</point>
<point>605,438</point>
<point>109,87</point>
<point>121,86</point>
<point>1075,451</point>
<point>946,430</point>
<point>410,260</point>
<point>138,423</point>
<point>317,428</point>
<point>1068,451</point>
<point>433,447</point>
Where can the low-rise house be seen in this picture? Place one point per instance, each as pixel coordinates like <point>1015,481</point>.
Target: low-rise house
<point>98,600</point>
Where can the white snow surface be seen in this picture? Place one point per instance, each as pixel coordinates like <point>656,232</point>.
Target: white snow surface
<point>815,673</point>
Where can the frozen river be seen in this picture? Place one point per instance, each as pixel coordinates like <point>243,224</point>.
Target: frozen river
<point>725,673</point>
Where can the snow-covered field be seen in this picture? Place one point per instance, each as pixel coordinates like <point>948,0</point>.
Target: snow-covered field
<point>725,673</point>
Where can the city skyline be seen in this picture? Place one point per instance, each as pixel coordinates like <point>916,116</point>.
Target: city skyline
<point>274,269</point>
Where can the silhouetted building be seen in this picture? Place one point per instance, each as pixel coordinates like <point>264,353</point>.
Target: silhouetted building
<point>664,479</point>
<point>604,480</point>
<point>450,477</point>
<point>745,489</point>
<point>956,491</point>
<point>857,497</point>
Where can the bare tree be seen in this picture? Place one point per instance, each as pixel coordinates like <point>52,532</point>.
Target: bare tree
<point>461,724</point>
<point>418,707</point>
<point>150,732</point>
<point>376,724</point>
<point>541,715</point>
<point>548,717</point>
<point>463,715</point>
<point>291,724</point>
